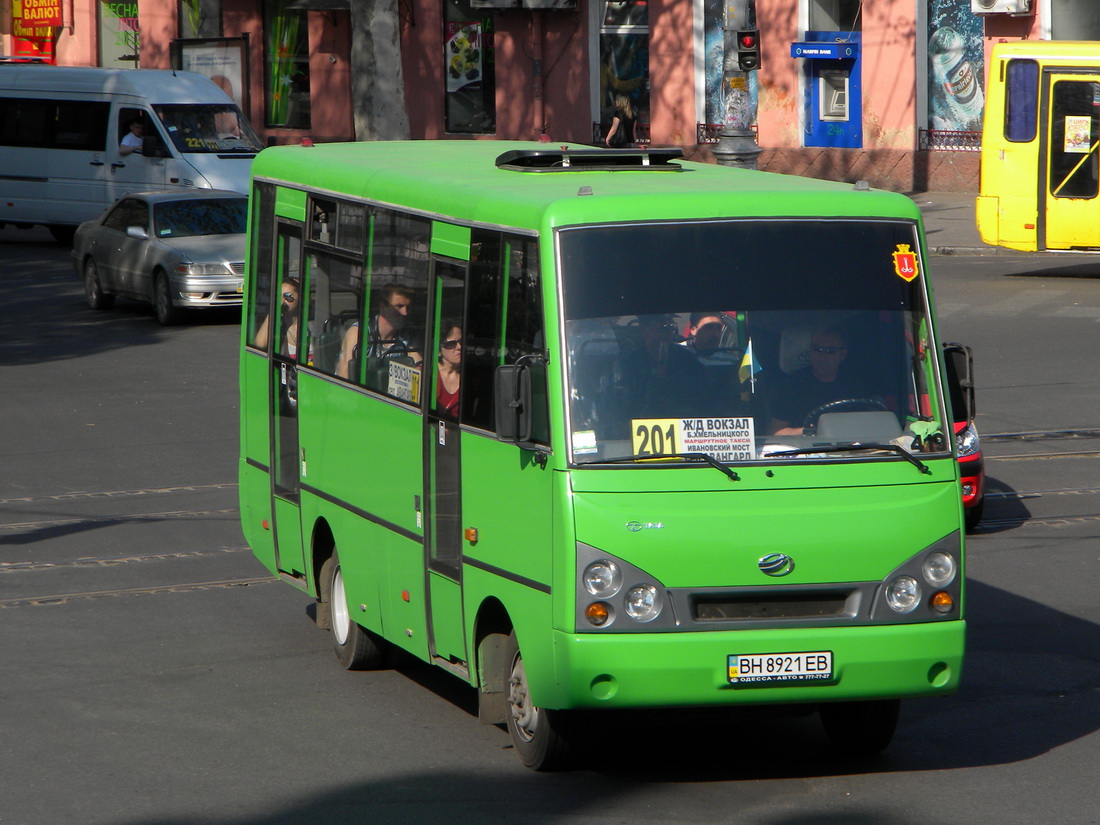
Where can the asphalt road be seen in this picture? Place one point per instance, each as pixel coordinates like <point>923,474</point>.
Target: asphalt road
<point>153,674</point>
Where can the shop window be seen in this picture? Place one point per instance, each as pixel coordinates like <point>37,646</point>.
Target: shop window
<point>624,57</point>
<point>835,15</point>
<point>119,39</point>
<point>286,66</point>
<point>200,18</point>
<point>469,69</point>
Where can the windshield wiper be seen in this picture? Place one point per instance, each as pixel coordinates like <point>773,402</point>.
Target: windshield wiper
<point>851,448</point>
<point>704,457</point>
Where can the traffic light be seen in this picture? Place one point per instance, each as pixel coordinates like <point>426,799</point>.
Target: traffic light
<point>748,50</point>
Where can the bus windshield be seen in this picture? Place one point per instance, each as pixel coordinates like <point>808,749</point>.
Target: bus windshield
<point>748,340</point>
<point>209,127</point>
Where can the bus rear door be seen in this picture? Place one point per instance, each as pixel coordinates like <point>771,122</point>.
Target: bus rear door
<point>1071,180</point>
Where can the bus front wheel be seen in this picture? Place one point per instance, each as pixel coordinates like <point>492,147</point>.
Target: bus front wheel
<point>860,728</point>
<point>537,733</point>
<point>356,647</point>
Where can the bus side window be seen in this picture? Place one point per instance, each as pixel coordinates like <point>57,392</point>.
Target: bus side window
<point>1021,100</point>
<point>481,351</point>
<point>333,306</point>
<point>524,331</point>
<point>261,261</point>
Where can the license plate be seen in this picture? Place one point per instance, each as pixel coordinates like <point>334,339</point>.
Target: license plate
<point>772,668</point>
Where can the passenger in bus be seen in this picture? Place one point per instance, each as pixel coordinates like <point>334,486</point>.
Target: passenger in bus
<point>659,378</point>
<point>132,140</point>
<point>387,333</point>
<point>824,381</point>
<point>450,363</point>
<point>288,320</point>
<point>704,334</point>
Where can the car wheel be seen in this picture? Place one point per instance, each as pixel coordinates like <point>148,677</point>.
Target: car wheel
<point>167,312</point>
<point>356,647</point>
<point>93,289</point>
<point>973,516</point>
<point>860,728</point>
<point>538,734</point>
<point>63,234</point>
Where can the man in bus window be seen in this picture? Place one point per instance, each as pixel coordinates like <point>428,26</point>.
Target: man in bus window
<point>806,389</point>
<point>388,335</point>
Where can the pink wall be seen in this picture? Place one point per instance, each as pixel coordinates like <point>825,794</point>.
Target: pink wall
<point>777,81</point>
<point>672,73</point>
<point>889,74</point>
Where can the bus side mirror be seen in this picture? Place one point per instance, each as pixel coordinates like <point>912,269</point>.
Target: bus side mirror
<point>960,381</point>
<point>512,406</point>
<point>519,403</point>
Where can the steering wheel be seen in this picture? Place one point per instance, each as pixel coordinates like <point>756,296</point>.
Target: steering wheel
<point>841,405</point>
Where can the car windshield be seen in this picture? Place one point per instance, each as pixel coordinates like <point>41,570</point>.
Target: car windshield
<point>209,127</point>
<point>210,216</point>
<point>748,340</point>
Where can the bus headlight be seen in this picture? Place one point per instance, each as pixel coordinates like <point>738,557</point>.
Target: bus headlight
<point>939,569</point>
<point>903,594</point>
<point>643,603</point>
<point>603,579</point>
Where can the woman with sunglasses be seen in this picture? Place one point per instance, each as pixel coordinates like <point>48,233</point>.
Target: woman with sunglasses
<point>289,305</point>
<point>450,362</point>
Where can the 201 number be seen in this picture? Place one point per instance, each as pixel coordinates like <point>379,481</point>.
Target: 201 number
<point>654,440</point>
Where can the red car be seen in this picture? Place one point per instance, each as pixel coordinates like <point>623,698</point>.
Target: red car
<point>971,472</point>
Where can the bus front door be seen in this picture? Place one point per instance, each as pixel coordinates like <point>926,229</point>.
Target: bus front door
<point>285,464</point>
<point>443,474</point>
<point>1071,181</point>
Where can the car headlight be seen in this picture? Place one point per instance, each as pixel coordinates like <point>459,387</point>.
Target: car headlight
<point>603,579</point>
<point>204,269</point>
<point>903,594</point>
<point>967,441</point>
<point>643,602</point>
<point>939,569</point>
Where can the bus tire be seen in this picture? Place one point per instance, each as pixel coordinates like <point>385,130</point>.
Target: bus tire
<point>93,289</point>
<point>167,312</point>
<point>860,728</point>
<point>356,647</point>
<point>537,733</point>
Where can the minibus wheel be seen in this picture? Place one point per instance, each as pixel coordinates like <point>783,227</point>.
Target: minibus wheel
<point>860,728</point>
<point>537,733</point>
<point>93,289</point>
<point>356,647</point>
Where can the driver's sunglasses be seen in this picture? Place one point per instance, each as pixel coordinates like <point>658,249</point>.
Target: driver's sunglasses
<point>826,350</point>
<point>290,297</point>
<point>451,344</point>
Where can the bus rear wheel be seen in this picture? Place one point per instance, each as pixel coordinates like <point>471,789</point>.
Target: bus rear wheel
<point>860,728</point>
<point>538,734</point>
<point>356,647</point>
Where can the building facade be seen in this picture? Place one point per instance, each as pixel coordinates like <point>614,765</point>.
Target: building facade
<point>890,91</point>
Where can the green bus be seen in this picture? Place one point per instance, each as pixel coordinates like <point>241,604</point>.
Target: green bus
<point>599,429</point>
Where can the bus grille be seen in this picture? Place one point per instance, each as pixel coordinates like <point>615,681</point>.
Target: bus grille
<point>798,605</point>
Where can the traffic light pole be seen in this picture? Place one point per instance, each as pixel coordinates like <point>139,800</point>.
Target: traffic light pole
<point>737,142</point>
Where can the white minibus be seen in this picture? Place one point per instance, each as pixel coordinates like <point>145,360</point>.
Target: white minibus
<point>62,128</point>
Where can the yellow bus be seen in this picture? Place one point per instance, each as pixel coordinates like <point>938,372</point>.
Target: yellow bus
<point>1040,178</point>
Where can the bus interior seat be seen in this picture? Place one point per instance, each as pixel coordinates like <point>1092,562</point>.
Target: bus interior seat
<point>326,349</point>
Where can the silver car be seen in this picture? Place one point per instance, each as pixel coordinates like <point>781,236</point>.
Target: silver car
<point>174,249</point>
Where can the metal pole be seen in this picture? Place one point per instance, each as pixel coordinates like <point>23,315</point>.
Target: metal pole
<point>737,141</point>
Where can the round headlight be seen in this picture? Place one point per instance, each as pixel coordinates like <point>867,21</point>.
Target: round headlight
<point>603,579</point>
<point>939,569</point>
<point>643,603</point>
<point>903,594</point>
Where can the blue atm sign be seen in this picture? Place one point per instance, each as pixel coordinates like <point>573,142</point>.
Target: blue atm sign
<point>825,51</point>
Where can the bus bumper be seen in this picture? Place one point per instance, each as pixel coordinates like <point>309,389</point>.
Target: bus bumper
<point>691,668</point>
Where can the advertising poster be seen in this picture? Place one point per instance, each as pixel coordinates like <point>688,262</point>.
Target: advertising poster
<point>714,45</point>
<point>220,60</point>
<point>956,67</point>
<point>463,54</point>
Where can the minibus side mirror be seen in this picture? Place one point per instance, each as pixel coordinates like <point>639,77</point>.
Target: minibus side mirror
<point>151,147</point>
<point>513,403</point>
<point>960,381</point>
<point>519,403</point>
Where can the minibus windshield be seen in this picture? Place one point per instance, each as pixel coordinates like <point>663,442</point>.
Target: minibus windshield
<point>208,127</point>
<point>748,340</point>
